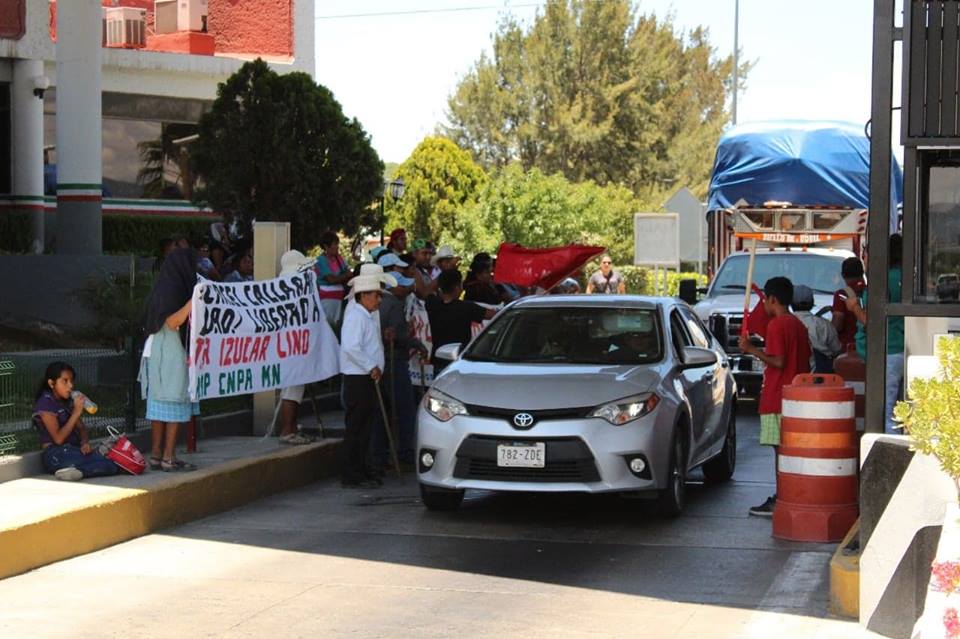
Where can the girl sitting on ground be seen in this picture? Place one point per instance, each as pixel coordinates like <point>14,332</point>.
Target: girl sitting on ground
<point>63,437</point>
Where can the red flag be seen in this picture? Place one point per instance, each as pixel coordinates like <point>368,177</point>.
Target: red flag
<point>755,323</point>
<point>543,267</point>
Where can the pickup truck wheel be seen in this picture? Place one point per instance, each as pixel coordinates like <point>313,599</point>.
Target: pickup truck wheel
<point>673,497</point>
<point>440,498</point>
<point>720,468</point>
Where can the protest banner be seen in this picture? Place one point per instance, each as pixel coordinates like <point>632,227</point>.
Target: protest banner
<point>419,323</point>
<point>247,337</point>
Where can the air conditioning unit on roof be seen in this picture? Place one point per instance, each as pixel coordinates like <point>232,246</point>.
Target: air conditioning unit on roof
<point>180,15</point>
<point>124,27</point>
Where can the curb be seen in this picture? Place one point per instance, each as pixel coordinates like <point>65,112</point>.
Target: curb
<point>845,578</point>
<point>132,513</point>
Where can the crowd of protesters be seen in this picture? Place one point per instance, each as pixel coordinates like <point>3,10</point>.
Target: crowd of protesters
<point>391,313</point>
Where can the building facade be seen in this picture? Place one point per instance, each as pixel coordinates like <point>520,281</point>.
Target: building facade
<point>99,100</point>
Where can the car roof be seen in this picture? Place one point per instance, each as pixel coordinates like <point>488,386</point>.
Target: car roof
<point>645,302</point>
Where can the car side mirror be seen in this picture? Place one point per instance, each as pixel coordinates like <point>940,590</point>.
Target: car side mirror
<point>448,351</point>
<point>696,357</point>
<point>688,291</point>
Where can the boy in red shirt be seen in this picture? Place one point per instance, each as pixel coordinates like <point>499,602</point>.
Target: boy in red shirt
<point>844,321</point>
<point>786,355</point>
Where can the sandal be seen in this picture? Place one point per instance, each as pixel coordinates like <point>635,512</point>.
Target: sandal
<point>295,439</point>
<point>155,463</point>
<point>176,466</point>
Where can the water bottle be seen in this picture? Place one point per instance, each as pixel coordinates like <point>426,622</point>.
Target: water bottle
<point>88,405</point>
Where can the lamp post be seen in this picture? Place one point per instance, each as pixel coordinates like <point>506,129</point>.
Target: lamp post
<point>396,192</point>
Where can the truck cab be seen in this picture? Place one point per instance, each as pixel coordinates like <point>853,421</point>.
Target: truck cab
<point>722,307</point>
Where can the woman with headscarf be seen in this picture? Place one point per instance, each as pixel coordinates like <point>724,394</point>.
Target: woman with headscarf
<point>163,369</point>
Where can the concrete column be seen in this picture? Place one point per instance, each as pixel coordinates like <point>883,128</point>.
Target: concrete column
<point>79,145</point>
<point>27,121</point>
<point>270,241</point>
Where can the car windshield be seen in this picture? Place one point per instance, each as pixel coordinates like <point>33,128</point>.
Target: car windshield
<point>820,272</point>
<point>571,335</point>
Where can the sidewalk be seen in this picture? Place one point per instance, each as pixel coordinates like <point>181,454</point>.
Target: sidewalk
<point>44,520</point>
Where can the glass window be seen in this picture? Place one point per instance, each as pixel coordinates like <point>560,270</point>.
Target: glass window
<point>820,272</point>
<point>678,334</point>
<point>571,335</point>
<point>939,234</point>
<point>697,332</point>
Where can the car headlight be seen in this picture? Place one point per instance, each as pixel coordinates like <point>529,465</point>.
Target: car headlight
<point>443,407</point>
<point>624,411</point>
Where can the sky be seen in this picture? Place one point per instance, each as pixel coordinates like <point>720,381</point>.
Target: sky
<point>394,72</point>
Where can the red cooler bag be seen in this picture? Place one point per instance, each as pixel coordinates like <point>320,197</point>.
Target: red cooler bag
<point>124,454</point>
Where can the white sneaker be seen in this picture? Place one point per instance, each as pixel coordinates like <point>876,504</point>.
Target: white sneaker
<point>69,474</point>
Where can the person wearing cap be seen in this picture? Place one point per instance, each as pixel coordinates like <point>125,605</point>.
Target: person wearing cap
<point>398,242</point>
<point>398,345</point>
<point>425,272</point>
<point>291,397</point>
<point>361,363</point>
<point>332,274</point>
<point>824,341</point>
<point>445,259</point>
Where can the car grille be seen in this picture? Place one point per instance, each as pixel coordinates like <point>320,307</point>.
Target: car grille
<point>567,460</point>
<point>726,328</point>
<point>538,415</point>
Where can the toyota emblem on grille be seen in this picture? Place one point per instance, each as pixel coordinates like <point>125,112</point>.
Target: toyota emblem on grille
<point>523,420</point>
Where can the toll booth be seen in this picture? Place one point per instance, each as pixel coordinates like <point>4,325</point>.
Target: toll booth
<point>900,490</point>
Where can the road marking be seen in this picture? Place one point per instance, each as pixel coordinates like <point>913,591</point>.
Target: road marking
<point>800,578</point>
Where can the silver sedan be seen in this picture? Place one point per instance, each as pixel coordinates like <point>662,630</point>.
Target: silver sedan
<point>580,393</point>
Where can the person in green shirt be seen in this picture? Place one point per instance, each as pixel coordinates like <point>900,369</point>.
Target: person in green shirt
<point>895,342</point>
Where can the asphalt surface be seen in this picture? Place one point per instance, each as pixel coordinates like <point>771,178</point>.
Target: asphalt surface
<point>323,561</point>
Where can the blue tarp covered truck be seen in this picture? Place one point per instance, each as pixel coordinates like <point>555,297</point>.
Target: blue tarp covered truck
<point>801,191</point>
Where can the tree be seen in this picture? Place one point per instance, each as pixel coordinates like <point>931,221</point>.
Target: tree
<point>278,147</point>
<point>537,210</point>
<point>441,181</point>
<point>596,92</point>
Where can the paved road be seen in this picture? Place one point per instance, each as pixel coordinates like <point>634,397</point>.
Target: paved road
<point>323,562</point>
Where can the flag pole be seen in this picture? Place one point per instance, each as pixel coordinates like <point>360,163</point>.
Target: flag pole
<point>749,288</point>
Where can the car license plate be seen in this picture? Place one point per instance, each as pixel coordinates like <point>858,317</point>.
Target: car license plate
<point>522,455</point>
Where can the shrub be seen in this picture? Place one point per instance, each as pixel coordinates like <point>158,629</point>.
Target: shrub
<point>932,415</point>
<point>141,235</point>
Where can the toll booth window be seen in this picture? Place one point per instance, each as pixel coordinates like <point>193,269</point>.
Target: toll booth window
<point>939,236</point>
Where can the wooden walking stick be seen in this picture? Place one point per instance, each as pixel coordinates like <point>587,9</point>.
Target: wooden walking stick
<point>393,389</point>
<point>386,426</point>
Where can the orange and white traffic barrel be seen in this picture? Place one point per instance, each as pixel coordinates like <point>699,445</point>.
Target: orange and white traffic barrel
<point>817,486</point>
<point>851,367</point>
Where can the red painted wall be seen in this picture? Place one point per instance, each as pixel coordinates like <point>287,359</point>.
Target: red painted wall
<point>252,26</point>
<point>259,27</point>
<point>13,23</point>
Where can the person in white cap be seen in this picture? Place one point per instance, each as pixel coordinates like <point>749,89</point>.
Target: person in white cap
<point>445,259</point>
<point>292,396</point>
<point>361,363</point>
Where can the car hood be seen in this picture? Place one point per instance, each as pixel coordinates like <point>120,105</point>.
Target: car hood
<point>734,304</point>
<point>544,386</point>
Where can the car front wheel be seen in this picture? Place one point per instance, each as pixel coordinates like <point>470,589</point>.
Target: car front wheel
<point>673,496</point>
<point>440,498</point>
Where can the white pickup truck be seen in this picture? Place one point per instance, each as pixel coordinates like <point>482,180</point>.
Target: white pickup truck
<point>722,307</point>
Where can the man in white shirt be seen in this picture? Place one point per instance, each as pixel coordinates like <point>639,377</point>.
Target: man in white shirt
<point>824,341</point>
<point>361,362</point>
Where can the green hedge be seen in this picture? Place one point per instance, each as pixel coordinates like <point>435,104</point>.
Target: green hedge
<point>141,235</point>
<point>122,234</point>
<point>640,280</point>
<point>15,232</point>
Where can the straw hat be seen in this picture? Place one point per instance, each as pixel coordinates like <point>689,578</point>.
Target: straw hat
<point>444,253</point>
<point>294,261</point>
<point>371,278</point>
